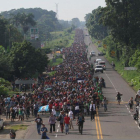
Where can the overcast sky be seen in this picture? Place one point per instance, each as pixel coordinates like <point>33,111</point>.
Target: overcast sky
<point>68,9</point>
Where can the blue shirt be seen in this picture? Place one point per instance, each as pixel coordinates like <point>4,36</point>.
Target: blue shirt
<point>44,129</point>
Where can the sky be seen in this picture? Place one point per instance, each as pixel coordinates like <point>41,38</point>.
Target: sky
<point>67,9</point>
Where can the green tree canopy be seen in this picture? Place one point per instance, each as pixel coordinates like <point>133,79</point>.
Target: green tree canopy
<point>25,60</point>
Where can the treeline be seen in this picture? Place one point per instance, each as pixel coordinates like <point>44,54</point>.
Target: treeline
<point>46,21</point>
<point>118,25</point>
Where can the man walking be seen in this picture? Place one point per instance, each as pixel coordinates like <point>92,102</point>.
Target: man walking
<point>38,121</point>
<point>66,122</point>
<point>71,118</point>
<point>92,110</point>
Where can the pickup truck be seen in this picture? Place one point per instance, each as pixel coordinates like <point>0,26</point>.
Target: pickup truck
<point>1,124</point>
<point>98,68</point>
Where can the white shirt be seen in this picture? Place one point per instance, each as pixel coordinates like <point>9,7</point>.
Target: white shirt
<point>53,112</point>
<point>91,107</point>
<point>70,114</point>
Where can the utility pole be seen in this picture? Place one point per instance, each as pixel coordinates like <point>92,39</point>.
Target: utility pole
<point>57,11</point>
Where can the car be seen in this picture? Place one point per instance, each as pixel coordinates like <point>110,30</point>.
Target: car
<point>100,54</point>
<point>99,46</point>
<point>98,68</point>
<point>97,60</point>
<point>102,63</point>
<point>92,54</point>
<point>1,124</point>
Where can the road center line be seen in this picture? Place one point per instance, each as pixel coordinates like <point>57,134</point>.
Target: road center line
<point>96,127</point>
<point>100,129</point>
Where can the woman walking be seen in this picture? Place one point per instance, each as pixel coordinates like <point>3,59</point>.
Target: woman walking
<point>52,120</point>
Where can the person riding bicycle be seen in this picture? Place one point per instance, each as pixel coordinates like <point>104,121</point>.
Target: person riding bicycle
<point>80,122</point>
<point>119,97</point>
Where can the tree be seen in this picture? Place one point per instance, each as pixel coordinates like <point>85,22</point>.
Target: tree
<point>25,60</point>
<point>23,20</point>
<point>76,22</point>
<point>26,21</point>
<point>122,17</point>
<point>96,30</point>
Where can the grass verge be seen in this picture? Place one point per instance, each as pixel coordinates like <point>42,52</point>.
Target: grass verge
<point>18,127</point>
<point>58,61</point>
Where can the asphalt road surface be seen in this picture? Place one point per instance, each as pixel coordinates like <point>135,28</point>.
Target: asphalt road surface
<point>116,123</point>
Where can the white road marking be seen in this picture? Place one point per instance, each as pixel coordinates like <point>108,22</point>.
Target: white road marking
<point>132,115</point>
<point>57,130</point>
<point>126,106</point>
<point>111,82</point>
<point>138,127</point>
<point>58,125</point>
<point>136,122</point>
<point>56,136</point>
<point>129,112</point>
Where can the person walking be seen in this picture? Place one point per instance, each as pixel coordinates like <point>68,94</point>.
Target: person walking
<point>92,110</point>
<point>38,121</point>
<point>61,119</point>
<point>80,122</point>
<point>70,114</point>
<point>131,103</point>
<point>52,121</point>
<point>66,122</point>
<point>35,109</point>
<point>7,111</point>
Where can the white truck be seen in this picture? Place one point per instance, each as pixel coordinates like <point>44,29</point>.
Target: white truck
<point>98,68</point>
<point>1,124</point>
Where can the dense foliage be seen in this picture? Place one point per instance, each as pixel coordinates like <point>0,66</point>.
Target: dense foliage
<point>26,61</point>
<point>121,19</point>
<point>95,29</point>
<point>46,20</point>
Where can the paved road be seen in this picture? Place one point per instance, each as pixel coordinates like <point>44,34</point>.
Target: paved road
<point>116,123</point>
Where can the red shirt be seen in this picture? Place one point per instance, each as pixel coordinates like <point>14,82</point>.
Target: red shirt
<point>67,120</point>
<point>50,106</point>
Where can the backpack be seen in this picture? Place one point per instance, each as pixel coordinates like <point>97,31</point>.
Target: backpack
<point>81,119</point>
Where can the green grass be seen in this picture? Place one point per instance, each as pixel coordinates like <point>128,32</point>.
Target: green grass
<point>61,39</point>
<point>52,73</point>
<point>58,61</point>
<point>131,77</point>
<point>18,127</point>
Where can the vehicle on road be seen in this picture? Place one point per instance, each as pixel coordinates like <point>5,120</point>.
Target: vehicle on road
<point>92,54</point>
<point>102,63</point>
<point>100,54</point>
<point>98,68</point>
<point>97,60</point>
<point>1,124</point>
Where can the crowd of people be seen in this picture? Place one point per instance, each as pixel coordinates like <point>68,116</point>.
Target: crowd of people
<point>71,93</point>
